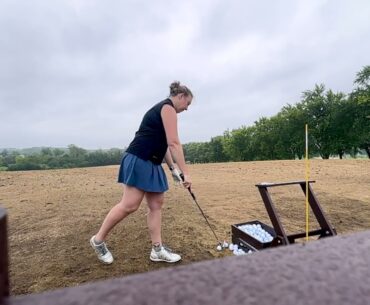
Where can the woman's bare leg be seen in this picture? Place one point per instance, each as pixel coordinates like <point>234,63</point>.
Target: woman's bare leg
<point>129,203</point>
<point>154,218</point>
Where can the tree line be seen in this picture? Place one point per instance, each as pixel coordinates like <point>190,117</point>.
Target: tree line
<point>338,124</point>
<point>49,158</point>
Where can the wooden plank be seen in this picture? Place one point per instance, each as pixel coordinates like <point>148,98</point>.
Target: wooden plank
<point>268,184</point>
<point>4,272</point>
<point>272,212</point>
<point>318,211</point>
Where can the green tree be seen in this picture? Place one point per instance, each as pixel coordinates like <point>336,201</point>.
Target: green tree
<point>318,108</point>
<point>2,161</point>
<point>198,152</point>
<point>9,157</point>
<point>239,144</point>
<point>267,139</point>
<point>292,130</point>
<point>360,100</point>
<point>217,151</point>
<point>342,127</point>
<point>57,152</point>
<point>76,152</point>
<point>77,156</point>
<point>46,151</point>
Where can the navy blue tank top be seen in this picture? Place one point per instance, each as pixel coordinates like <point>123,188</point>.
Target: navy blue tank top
<point>150,142</point>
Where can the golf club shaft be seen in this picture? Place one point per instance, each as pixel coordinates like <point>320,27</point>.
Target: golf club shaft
<point>200,209</point>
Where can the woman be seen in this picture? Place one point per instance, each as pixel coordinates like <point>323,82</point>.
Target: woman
<point>143,176</point>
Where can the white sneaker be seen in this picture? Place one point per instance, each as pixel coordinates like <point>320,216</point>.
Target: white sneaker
<point>164,254</point>
<point>102,251</point>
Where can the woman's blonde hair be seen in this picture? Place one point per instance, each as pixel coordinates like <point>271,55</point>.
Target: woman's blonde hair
<point>176,88</point>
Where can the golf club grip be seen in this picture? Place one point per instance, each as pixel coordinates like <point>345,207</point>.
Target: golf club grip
<point>182,177</point>
<point>189,188</point>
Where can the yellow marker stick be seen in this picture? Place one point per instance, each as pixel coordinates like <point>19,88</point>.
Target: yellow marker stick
<point>307,177</point>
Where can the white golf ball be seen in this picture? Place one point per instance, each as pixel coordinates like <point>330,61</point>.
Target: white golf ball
<point>219,248</point>
<point>225,245</point>
<point>257,232</point>
<point>231,247</point>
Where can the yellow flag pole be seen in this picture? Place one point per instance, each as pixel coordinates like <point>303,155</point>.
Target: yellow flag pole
<point>307,177</point>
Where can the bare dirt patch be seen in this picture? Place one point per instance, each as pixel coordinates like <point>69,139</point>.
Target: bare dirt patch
<point>52,215</point>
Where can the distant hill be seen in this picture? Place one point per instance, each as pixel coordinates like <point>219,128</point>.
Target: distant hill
<point>36,150</point>
<point>31,150</point>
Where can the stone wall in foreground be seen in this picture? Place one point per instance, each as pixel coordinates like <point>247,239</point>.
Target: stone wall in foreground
<point>334,270</point>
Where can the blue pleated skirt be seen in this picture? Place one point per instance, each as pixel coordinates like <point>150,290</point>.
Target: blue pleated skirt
<point>144,175</point>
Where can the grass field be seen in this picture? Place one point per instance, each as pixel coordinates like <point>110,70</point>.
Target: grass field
<point>52,215</point>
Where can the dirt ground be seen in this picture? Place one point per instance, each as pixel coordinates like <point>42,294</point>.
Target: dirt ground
<point>52,215</point>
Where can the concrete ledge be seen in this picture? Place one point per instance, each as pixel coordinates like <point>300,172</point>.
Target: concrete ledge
<point>334,270</point>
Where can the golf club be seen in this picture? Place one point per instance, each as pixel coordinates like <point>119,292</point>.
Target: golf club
<point>200,209</point>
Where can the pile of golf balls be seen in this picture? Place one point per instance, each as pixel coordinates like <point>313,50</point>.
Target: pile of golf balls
<point>222,246</point>
<point>256,231</point>
<point>238,251</point>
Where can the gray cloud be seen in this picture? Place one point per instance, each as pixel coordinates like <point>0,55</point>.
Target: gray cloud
<point>84,72</point>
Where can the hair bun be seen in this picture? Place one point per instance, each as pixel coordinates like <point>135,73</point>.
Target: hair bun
<point>174,88</point>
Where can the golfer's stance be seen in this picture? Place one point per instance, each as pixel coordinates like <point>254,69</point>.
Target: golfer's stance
<point>143,176</point>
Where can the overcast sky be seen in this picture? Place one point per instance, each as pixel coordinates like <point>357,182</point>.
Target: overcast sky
<point>85,72</point>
